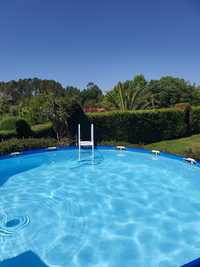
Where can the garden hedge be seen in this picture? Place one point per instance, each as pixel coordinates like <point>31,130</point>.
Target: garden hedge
<point>139,126</point>
<point>195,120</point>
<point>43,130</point>
<point>7,134</point>
<point>15,144</point>
<point>37,131</point>
<point>136,127</point>
<point>8,123</point>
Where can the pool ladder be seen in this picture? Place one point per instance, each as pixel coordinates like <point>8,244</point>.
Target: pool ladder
<point>86,144</point>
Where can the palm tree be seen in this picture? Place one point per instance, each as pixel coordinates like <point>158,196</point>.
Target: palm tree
<point>129,95</point>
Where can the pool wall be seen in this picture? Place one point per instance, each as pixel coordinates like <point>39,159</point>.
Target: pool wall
<point>136,149</point>
<point>195,263</point>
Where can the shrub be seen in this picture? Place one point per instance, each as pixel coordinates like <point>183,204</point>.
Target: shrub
<point>195,124</point>
<point>8,123</point>
<point>37,131</point>
<point>7,134</point>
<point>13,145</point>
<point>186,107</point>
<point>65,115</point>
<point>43,130</point>
<point>13,127</point>
<point>139,126</point>
<point>23,129</point>
<point>77,116</point>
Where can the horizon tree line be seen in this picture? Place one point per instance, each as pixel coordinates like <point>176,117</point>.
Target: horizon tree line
<point>28,98</point>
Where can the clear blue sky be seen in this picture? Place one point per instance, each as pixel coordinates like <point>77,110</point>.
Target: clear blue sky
<point>104,41</point>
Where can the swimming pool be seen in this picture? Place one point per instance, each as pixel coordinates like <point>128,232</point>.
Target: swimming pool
<point>118,208</point>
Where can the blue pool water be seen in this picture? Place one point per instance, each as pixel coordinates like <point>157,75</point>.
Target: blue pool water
<point>120,209</point>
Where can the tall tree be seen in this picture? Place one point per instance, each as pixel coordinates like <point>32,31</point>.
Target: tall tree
<point>73,93</point>
<point>169,91</point>
<point>65,115</point>
<point>92,95</point>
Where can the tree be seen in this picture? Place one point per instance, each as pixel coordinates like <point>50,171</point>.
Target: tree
<point>58,115</point>
<point>34,110</point>
<point>169,91</point>
<point>128,95</point>
<point>65,116</point>
<point>73,93</point>
<point>4,105</point>
<point>23,89</point>
<point>196,96</point>
<point>91,96</point>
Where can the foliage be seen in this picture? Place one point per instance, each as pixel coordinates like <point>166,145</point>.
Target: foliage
<point>196,96</point>
<point>127,95</point>
<point>7,134</point>
<point>65,116</point>
<point>139,126</point>
<point>8,123</point>
<point>141,94</point>
<point>23,129</point>
<point>13,145</point>
<point>34,110</point>
<point>43,130</point>
<point>58,114</point>
<point>73,93</point>
<point>38,131</point>
<point>91,96</point>
<point>28,98</point>
<point>4,105</point>
<point>48,102</point>
<point>77,116</point>
<point>168,91</point>
<point>18,91</point>
<point>195,121</point>
<point>12,126</point>
<point>186,107</point>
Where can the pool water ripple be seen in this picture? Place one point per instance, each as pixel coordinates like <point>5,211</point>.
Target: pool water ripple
<point>118,209</point>
<point>10,226</point>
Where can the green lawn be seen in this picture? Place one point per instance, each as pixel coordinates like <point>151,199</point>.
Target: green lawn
<point>189,146</point>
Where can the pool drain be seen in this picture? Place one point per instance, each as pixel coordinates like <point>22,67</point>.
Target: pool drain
<point>10,226</point>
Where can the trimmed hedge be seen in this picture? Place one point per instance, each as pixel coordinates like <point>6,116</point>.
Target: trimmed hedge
<point>135,127</point>
<point>8,123</point>
<point>13,145</point>
<point>7,134</point>
<point>139,126</point>
<point>195,120</point>
<point>43,130</point>
<point>37,131</point>
<point>14,127</point>
<point>23,129</point>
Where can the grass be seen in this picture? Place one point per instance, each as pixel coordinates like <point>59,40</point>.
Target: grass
<point>41,126</point>
<point>189,146</point>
